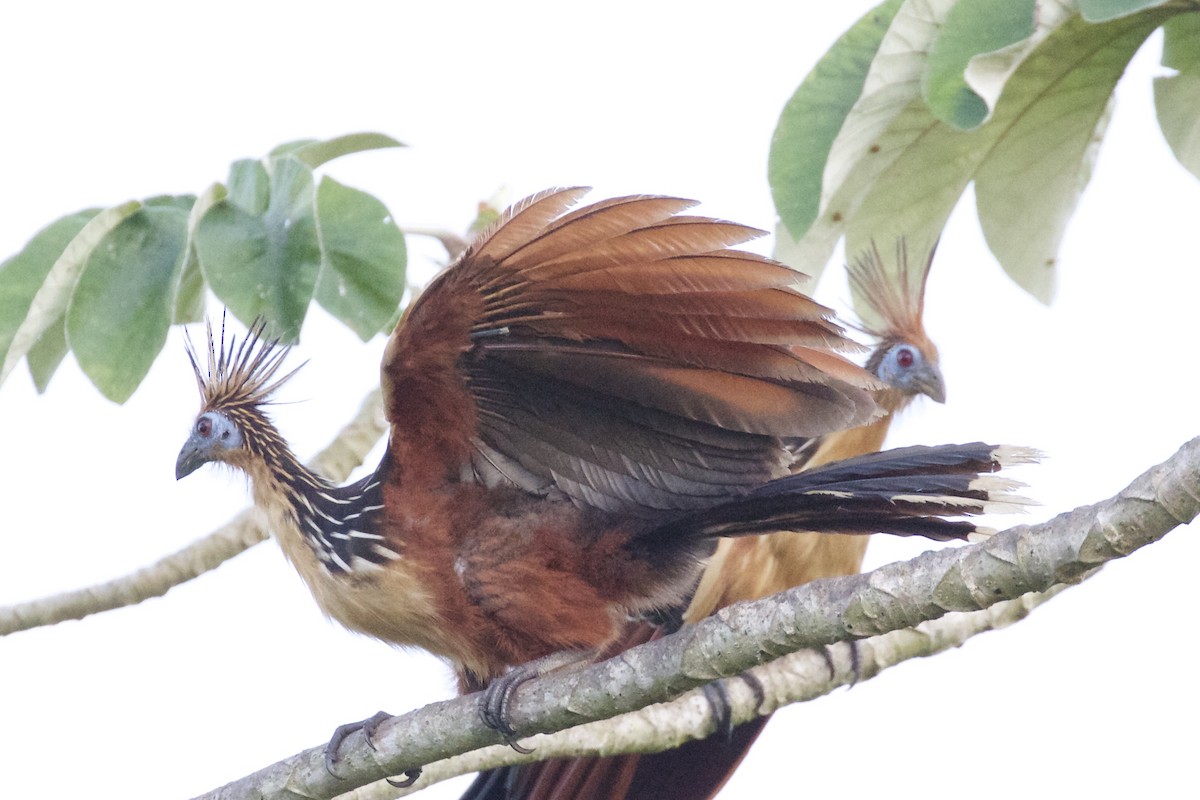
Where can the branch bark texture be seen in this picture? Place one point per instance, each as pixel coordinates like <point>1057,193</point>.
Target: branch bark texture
<point>1027,558</point>
<point>797,677</point>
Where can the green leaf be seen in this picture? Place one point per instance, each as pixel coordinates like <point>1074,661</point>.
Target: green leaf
<point>188,302</point>
<point>184,202</point>
<point>1105,10</point>
<point>897,171</point>
<point>45,357</point>
<point>814,115</point>
<point>1177,97</point>
<point>887,120</point>
<point>287,148</point>
<point>52,296</point>
<point>972,27</point>
<point>249,186</point>
<point>1050,121</point>
<point>119,315</point>
<point>1181,43</point>
<point>267,264</point>
<point>363,258</point>
<point>22,275</point>
<point>314,154</point>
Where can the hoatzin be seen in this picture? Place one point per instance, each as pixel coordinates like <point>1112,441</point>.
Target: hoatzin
<point>905,361</point>
<point>580,406</point>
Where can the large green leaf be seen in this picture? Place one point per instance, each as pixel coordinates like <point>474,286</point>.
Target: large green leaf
<point>46,355</point>
<point>1030,160</point>
<point>50,301</point>
<point>188,302</point>
<point>122,306</point>
<point>22,275</point>
<point>249,186</point>
<point>363,258</point>
<point>265,265</point>
<point>1105,10</point>
<point>1049,122</point>
<point>887,119</point>
<point>1177,97</point>
<point>814,115</point>
<point>972,27</point>
<point>314,154</point>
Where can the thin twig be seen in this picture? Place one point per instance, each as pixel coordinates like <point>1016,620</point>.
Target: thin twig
<point>454,243</point>
<point>336,461</point>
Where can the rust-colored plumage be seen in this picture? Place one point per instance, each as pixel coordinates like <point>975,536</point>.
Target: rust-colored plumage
<point>747,568</point>
<point>581,405</point>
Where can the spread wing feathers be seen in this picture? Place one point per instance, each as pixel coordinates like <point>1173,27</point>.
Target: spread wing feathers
<point>622,354</point>
<point>908,491</point>
<point>616,454</point>
<point>893,297</point>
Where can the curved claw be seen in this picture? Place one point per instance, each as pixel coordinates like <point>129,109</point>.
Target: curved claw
<point>722,711</point>
<point>855,662</point>
<point>498,695</point>
<point>756,688</point>
<point>368,726</point>
<point>410,777</point>
<point>494,704</point>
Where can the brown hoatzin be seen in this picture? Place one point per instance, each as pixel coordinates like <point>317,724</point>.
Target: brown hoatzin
<point>581,405</point>
<point>905,361</point>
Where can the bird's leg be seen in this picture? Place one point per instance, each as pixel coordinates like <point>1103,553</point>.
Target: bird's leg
<point>498,696</point>
<point>368,727</point>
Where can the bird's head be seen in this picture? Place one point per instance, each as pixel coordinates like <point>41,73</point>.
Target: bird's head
<point>232,427</point>
<point>911,367</point>
<point>893,299</point>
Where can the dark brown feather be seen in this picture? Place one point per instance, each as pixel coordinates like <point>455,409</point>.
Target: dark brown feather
<point>744,568</point>
<point>584,301</point>
<point>557,465</point>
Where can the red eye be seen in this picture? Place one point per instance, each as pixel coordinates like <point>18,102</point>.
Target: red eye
<point>204,426</point>
<point>905,357</point>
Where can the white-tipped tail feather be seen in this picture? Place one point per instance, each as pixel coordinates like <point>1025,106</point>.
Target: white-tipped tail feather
<point>912,491</point>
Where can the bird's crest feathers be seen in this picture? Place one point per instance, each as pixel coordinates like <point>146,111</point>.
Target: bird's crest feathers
<point>893,296</point>
<point>239,373</point>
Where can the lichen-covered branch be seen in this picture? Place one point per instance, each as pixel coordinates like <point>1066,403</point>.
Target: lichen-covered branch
<point>1024,559</point>
<point>336,461</point>
<point>794,678</point>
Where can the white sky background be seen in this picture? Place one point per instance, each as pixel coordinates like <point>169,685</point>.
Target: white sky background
<point>1094,695</point>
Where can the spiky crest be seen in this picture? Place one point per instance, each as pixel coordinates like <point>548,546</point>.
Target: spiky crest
<point>239,374</point>
<point>896,296</point>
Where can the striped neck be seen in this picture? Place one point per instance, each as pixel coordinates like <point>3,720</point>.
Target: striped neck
<point>343,525</point>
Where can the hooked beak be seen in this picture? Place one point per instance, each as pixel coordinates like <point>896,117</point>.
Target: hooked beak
<point>195,454</point>
<point>930,383</point>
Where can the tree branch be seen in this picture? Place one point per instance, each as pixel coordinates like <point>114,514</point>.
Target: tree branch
<point>336,461</point>
<point>454,243</point>
<point>794,678</point>
<point>1022,559</point>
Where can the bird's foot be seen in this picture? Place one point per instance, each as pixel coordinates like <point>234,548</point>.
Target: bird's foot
<point>722,710</point>
<point>497,698</point>
<point>368,727</point>
<point>855,662</point>
<point>498,695</point>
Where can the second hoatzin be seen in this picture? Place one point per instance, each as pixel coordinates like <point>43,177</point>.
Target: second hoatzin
<point>905,361</point>
<point>580,406</point>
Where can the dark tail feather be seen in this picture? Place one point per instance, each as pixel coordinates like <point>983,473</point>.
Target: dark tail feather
<point>910,491</point>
